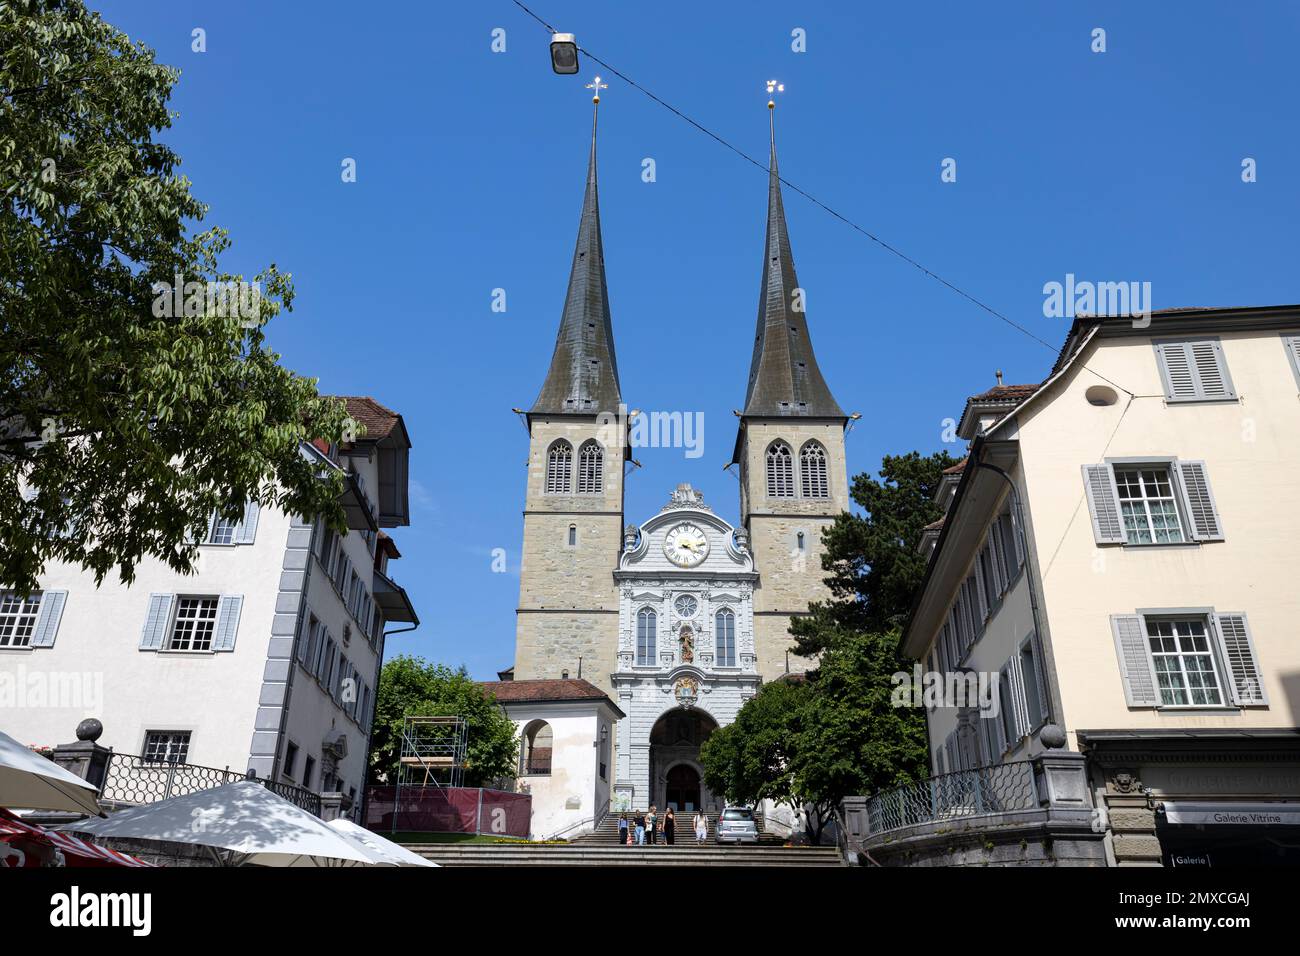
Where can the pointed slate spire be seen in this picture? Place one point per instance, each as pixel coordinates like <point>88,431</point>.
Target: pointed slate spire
<point>583,378</point>
<point>784,379</point>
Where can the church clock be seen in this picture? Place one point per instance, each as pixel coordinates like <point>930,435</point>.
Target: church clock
<point>685,545</point>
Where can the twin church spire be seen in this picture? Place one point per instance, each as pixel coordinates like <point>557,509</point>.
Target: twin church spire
<point>784,378</point>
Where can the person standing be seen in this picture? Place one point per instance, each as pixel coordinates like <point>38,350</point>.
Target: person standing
<point>622,829</point>
<point>701,827</point>
<point>670,827</point>
<point>651,819</point>
<point>638,822</point>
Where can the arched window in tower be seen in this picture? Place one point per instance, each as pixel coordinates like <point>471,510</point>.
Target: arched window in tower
<point>812,471</point>
<point>725,630</point>
<point>535,756</point>
<point>559,469</point>
<point>591,468</point>
<point>646,620</point>
<point>780,471</point>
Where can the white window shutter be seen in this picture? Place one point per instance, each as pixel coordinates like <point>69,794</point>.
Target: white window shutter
<point>246,532</point>
<point>47,620</point>
<point>227,627</point>
<point>1198,500</point>
<point>1103,504</point>
<point>1194,371</point>
<point>1135,668</point>
<point>1238,651</point>
<point>154,633</point>
<point>1175,361</point>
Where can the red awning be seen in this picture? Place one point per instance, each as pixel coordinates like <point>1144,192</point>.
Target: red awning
<point>27,844</point>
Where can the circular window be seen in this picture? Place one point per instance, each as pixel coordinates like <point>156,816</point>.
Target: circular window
<point>685,605</point>
<point>1101,395</point>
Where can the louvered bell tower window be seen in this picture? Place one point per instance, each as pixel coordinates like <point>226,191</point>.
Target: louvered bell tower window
<point>812,468</point>
<point>559,469</point>
<point>780,471</point>
<point>591,469</point>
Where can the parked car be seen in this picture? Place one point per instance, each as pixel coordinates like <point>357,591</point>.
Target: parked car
<point>736,825</point>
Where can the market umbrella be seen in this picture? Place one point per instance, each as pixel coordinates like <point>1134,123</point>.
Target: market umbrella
<point>33,782</point>
<point>24,844</point>
<point>386,851</point>
<point>243,824</point>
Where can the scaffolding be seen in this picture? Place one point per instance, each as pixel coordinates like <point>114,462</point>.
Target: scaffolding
<point>433,752</point>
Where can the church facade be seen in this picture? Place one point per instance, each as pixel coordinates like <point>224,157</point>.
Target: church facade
<point>678,619</point>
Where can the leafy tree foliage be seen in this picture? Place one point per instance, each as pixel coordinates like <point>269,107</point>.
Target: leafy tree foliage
<point>123,427</point>
<point>413,687</point>
<point>837,733</point>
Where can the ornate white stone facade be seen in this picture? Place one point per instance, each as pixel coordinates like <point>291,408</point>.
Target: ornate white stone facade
<point>676,688</point>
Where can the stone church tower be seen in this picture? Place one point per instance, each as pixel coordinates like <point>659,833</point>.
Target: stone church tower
<point>790,449</point>
<point>567,618</point>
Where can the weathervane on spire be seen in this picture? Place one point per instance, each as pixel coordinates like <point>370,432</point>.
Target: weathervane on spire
<point>773,87</point>
<point>596,86</point>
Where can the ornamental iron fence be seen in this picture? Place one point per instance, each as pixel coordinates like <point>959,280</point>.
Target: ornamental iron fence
<point>983,791</point>
<point>131,779</point>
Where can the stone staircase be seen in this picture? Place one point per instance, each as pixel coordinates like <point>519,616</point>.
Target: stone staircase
<point>594,854</point>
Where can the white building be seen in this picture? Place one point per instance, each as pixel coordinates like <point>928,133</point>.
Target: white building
<point>1118,560</point>
<point>265,660</point>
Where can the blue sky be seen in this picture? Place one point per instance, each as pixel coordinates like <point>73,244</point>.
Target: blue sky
<point>1115,166</point>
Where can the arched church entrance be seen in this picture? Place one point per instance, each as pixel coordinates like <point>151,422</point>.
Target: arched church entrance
<point>675,772</point>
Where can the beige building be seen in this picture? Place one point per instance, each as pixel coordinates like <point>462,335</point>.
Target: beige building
<point>1117,563</point>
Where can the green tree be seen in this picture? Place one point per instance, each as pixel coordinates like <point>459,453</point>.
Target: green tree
<point>123,427</point>
<point>413,687</point>
<point>874,568</point>
<point>752,758</point>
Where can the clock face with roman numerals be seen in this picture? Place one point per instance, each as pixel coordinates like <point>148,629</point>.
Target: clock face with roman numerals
<point>686,545</point>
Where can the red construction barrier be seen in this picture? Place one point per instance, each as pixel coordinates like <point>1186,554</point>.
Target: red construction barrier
<point>449,810</point>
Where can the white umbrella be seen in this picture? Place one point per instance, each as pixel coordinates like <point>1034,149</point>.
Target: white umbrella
<point>385,850</point>
<point>248,821</point>
<point>32,782</point>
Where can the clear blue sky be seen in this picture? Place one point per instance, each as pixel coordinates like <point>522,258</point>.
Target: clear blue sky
<point>1124,165</point>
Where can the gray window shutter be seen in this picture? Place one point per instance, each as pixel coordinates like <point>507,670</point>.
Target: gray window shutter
<point>1194,371</point>
<point>246,532</point>
<point>228,610</point>
<point>1040,668</point>
<point>1239,654</point>
<point>1292,343</point>
<point>1103,504</point>
<point>1198,500</point>
<point>1135,668</point>
<point>154,634</point>
<point>47,619</point>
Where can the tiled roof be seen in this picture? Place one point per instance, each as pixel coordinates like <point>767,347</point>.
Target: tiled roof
<point>379,421</point>
<point>1005,393</point>
<point>515,691</point>
<point>935,525</point>
<point>388,545</point>
<point>956,469</point>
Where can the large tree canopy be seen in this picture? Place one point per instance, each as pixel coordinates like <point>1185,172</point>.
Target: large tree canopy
<point>413,687</point>
<point>127,415</point>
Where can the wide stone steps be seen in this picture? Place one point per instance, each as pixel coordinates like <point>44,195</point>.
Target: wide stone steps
<point>569,854</point>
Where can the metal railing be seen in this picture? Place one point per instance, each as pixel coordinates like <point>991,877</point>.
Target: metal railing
<point>133,780</point>
<point>953,796</point>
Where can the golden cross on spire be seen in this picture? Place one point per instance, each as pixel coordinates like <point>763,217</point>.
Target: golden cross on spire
<point>773,87</point>
<point>596,86</point>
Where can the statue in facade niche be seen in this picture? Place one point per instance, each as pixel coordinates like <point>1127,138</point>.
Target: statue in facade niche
<point>688,645</point>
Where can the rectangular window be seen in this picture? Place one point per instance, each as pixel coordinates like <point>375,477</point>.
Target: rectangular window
<point>1194,371</point>
<point>308,768</point>
<point>645,637</point>
<point>192,627</point>
<point>726,623</point>
<point>222,531</point>
<point>1184,662</point>
<point>309,646</point>
<point>1147,505</point>
<point>290,758</point>
<point>166,746</point>
<point>18,618</point>
<point>1030,678</point>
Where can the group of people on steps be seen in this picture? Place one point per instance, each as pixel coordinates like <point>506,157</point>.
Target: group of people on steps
<point>650,829</point>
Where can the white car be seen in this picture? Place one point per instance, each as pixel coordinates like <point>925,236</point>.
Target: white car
<point>736,825</point>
